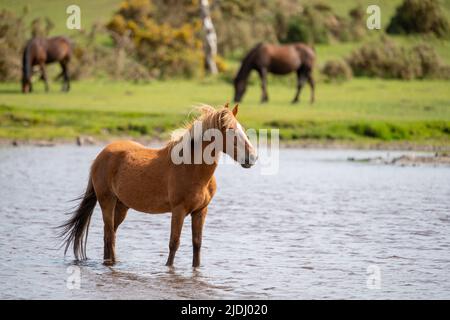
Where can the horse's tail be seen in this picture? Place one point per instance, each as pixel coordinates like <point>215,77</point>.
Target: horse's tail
<point>26,62</point>
<point>75,230</point>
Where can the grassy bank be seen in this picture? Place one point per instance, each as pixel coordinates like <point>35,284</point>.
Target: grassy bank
<point>361,111</point>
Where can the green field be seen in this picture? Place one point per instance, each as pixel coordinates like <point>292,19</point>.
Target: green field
<point>361,111</point>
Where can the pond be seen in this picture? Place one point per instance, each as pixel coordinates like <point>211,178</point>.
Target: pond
<point>323,227</point>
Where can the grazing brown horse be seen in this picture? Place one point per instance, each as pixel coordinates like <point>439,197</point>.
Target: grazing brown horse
<point>41,51</point>
<point>127,175</point>
<point>279,60</point>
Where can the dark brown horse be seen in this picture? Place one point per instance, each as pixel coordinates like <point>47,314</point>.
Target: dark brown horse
<point>41,51</point>
<point>279,60</point>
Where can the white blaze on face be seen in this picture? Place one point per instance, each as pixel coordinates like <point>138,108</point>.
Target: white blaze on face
<point>242,143</point>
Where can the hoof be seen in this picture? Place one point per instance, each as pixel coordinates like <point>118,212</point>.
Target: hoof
<point>168,264</point>
<point>108,262</point>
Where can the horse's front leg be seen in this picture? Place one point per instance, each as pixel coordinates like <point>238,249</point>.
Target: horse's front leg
<point>198,220</point>
<point>44,76</point>
<point>263,75</point>
<point>178,215</point>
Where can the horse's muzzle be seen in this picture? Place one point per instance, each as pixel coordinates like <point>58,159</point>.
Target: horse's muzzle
<point>249,161</point>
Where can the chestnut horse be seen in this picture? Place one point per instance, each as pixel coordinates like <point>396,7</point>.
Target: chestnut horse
<point>42,51</point>
<point>127,175</point>
<point>279,60</point>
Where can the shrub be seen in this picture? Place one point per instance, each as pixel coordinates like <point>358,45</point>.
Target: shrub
<point>429,61</point>
<point>318,24</point>
<point>309,27</point>
<point>419,16</point>
<point>12,39</point>
<point>357,26</point>
<point>165,49</point>
<point>242,24</point>
<point>337,70</point>
<point>385,59</point>
<point>100,61</point>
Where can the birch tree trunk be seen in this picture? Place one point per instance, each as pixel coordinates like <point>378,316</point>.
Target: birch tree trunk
<point>210,41</point>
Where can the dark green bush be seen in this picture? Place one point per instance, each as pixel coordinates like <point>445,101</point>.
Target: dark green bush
<point>319,24</point>
<point>381,130</point>
<point>309,27</point>
<point>420,16</point>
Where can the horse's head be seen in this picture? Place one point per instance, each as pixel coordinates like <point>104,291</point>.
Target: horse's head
<point>236,143</point>
<point>239,88</point>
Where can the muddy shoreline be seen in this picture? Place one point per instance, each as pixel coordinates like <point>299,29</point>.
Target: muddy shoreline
<point>296,144</point>
<point>438,155</point>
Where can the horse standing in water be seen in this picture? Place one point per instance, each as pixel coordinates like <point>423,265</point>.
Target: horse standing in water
<point>127,175</point>
<point>42,51</point>
<point>279,60</point>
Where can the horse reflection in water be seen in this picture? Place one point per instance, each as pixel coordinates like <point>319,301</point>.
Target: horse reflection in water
<point>127,175</point>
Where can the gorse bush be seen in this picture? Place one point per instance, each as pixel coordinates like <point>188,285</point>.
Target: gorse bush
<point>385,59</point>
<point>165,48</point>
<point>420,16</point>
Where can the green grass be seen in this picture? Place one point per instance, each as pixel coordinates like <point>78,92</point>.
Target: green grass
<point>359,111</point>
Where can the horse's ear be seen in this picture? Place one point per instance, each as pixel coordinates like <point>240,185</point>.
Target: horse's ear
<point>235,110</point>
<point>227,105</point>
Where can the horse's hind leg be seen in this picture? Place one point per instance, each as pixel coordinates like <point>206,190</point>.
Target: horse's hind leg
<point>312,85</point>
<point>65,73</point>
<point>108,203</point>
<point>301,79</point>
<point>198,220</point>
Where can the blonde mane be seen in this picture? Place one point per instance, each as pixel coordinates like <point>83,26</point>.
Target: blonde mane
<point>210,118</point>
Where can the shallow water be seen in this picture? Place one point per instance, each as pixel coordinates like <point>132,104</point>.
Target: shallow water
<point>314,230</point>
